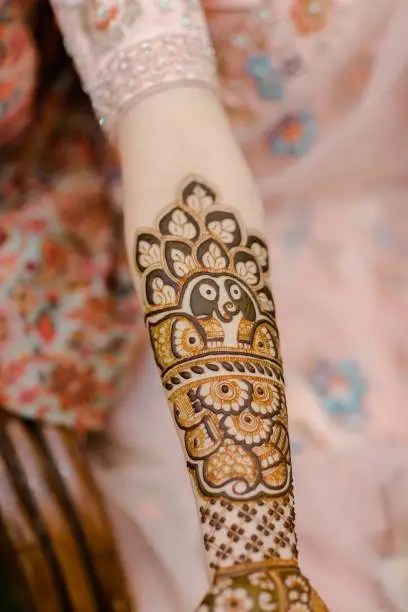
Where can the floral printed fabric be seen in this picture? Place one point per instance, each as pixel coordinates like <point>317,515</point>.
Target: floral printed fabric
<point>68,316</point>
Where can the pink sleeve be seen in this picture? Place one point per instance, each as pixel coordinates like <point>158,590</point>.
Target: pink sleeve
<point>125,50</point>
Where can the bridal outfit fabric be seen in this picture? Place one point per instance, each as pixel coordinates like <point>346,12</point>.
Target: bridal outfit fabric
<point>67,309</point>
<point>316,92</point>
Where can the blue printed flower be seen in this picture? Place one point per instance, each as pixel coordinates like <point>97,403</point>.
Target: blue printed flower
<point>269,82</point>
<point>341,387</point>
<point>295,134</point>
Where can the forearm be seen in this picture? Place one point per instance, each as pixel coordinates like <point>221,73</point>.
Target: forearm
<point>218,354</point>
<point>175,134</point>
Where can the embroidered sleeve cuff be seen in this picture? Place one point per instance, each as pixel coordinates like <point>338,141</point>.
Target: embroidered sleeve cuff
<point>126,50</point>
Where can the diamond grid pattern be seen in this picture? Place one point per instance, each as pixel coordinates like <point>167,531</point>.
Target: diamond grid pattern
<point>248,532</point>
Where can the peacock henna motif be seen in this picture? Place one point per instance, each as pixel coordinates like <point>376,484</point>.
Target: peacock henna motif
<point>210,315</point>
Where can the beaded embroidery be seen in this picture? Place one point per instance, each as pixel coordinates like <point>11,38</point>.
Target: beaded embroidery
<point>119,64</point>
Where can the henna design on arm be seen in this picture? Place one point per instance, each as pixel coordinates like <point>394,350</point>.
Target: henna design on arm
<point>211,319</point>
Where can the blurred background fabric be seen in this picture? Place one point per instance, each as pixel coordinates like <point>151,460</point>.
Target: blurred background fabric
<point>68,314</point>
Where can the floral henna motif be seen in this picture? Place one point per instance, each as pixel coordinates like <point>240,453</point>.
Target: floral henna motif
<point>211,320</point>
<point>270,587</point>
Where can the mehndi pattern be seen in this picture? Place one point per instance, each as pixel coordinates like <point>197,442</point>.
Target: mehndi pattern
<point>211,320</point>
<point>265,587</point>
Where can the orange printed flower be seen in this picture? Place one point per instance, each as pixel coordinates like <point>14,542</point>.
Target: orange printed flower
<point>105,19</point>
<point>103,14</point>
<point>310,16</point>
<point>45,326</point>
<point>97,312</point>
<point>54,257</point>
<point>6,90</point>
<point>76,388</point>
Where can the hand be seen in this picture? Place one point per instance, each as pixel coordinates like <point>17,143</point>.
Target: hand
<point>276,586</point>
